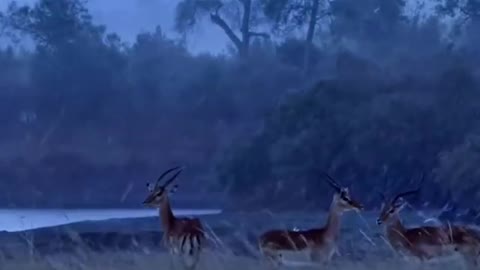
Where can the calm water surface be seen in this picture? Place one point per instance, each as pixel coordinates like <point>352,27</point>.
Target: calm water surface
<point>25,219</point>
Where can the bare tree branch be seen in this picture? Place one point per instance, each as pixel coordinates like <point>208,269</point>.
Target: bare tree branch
<point>259,34</point>
<point>216,19</point>
<point>245,27</point>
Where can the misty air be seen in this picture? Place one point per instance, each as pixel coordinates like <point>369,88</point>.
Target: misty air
<point>239,134</point>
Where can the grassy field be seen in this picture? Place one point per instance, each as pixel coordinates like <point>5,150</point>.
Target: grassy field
<point>361,247</point>
<point>210,261</point>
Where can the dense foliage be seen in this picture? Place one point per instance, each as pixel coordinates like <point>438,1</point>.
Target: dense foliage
<point>391,93</point>
<point>87,115</point>
<point>402,102</point>
<point>374,136</point>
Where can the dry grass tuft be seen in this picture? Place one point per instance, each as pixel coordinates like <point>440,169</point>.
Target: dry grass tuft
<point>361,248</point>
<point>210,261</point>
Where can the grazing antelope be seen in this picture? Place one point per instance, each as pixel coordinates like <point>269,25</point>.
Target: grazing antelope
<point>316,245</point>
<point>426,243</point>
<point>183,237</point>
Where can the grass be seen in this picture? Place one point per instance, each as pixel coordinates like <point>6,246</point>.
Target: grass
<point>361,248</point>
<point>210,261</point>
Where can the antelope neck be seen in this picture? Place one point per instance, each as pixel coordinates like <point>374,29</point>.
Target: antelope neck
<point>394,226</point>
<point>166,214</point>
<point>332,227</point>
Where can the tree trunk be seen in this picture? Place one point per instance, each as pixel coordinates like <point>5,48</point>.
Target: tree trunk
<point>242,43</point>
<point>245,28</point>
<point>216,19</point>
<point>307,60</point>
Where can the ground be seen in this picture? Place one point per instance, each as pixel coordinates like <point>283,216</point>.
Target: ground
<point>137,261</point>
<point>361,245</point>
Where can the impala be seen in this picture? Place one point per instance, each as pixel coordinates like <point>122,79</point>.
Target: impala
<point>183,237</point>
<point>427,242</point>
<point>317,244</point>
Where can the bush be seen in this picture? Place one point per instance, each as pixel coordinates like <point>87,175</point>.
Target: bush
<point>362,132</point>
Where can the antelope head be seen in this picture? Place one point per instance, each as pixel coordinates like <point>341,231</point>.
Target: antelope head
<point>342,199</point>
<point>158,192</point>
<point>394,206</point>
<point>391,208</point>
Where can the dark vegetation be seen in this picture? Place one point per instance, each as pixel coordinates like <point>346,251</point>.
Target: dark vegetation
<point>375,92</point>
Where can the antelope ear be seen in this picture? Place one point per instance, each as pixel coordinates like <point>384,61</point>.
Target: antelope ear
<point>149,186</point>
<point>400,204</point>
<point>174,189</point>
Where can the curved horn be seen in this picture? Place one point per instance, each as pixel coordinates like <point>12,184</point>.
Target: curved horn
<point>169,181</point>
<point>332,182</point>
<point>165,173</point>
<point>410,192</point>
<point>403,194</point>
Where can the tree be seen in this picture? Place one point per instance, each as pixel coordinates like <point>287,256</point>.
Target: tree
<point>188,13</point>
<point>53,24</point>
<point>371,23</point>
<point>69,48</point>
<point>294,15</point>
<point>466,19</point>
<point>457,171</point>
<point>371,125</point>
<point>467,9</point>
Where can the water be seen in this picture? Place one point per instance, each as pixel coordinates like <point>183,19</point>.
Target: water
<point>12,220</point>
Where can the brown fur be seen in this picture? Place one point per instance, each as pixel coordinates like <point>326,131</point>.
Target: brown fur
<point>428,242</point>
<point>292,240</point>
<point>320,243</point>
<point>182,233</point>
<point>182,236</point>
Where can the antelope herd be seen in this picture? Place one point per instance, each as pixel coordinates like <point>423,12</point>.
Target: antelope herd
<point>185,238</point>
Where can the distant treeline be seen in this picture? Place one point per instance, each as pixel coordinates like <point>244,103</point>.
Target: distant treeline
<point>374,93</point>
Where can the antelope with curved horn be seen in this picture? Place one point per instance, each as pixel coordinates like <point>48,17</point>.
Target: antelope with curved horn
<point>426,243</point>
<point>183,237</point>
<point>315,245</point>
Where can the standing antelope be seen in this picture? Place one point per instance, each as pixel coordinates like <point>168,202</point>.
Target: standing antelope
<point>183,237</point>
<point>317,244</point>
<point>427,242</point>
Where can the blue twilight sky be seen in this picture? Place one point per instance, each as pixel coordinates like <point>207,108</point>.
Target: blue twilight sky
<point>129,17</point>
